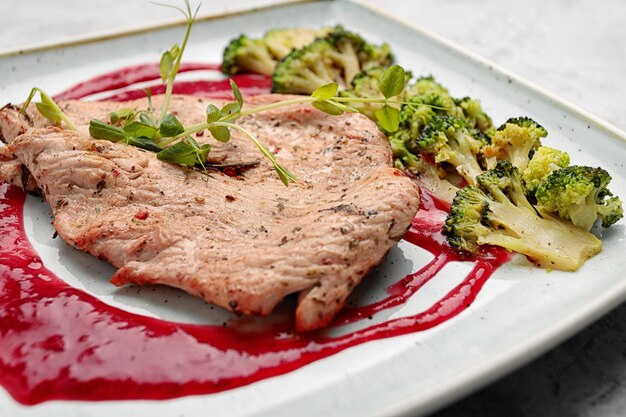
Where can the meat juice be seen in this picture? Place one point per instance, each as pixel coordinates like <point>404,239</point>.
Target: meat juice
<point>58,342</point>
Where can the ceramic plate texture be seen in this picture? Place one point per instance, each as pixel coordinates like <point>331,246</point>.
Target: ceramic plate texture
<point>521,312</point>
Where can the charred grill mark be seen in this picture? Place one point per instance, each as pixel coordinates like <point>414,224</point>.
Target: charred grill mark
<point>28,119</point>
<point>25,176</point>
<point>61,203</point>
<point>346,208</point>
<point>100,186</point>
<point>372,213</point>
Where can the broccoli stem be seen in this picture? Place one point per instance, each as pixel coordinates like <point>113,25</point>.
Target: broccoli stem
<point>549,242</point>
<point>466,166</point>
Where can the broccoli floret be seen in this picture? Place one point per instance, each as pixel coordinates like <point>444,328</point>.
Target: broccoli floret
<point>365,84</point>
<point>427,86</point>
<point>514,141</point>
<point>427,173</point>
<point>611,211</point>
<point>580,194</point>
<point>415,116</point>
<point>281,42</point>
<point>473,114</point>
<point>376,56</point>
<point>428,91</point>
<point>260,56</point>
<point>338,58</point>
<point>368,55</point>
<point>305,69</point>
<point>544,161</point>
<point>449,140</point>
<point>496,212</point>
<point>243,54</point>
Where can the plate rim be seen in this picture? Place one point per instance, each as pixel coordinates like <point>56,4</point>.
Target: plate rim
<point>482,375</point>
<point>108,34</point>
<point>77,40</point>
<point>529,85</point>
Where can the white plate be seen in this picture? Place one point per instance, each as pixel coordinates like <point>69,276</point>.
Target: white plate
<point>520,313</point>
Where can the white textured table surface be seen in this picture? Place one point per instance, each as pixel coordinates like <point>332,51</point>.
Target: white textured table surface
<point>576,49</point>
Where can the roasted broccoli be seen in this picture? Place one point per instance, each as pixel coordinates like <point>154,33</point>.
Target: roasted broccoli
<point>473,114</point>
<point>243,54</point>
<point>425,99</point>
<point>428,173</point>
<point>544,161</point>
<point>415,115</point>
<point>365,85</point>
<point>281,42</point>
<point>496,212</point>
<point>427,86</point>
<point>467,109</point>
<point>515,141</point>
<point>337,57</point>
<point>580,194</point>
<point>448,140</point>
<point>260,56</point>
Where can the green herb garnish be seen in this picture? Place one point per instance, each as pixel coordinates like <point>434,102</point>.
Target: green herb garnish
<point>173,142</point>
<point>170,60</point>
<point>48,108</point>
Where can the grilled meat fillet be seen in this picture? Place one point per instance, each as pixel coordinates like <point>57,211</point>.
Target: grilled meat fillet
<point>241,242</point>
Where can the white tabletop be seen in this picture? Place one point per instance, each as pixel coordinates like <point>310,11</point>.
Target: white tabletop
<point>575,49</point>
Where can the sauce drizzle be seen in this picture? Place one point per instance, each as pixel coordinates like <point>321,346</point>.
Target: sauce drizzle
<point>59,342</point>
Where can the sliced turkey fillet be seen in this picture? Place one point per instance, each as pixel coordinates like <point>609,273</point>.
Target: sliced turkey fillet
<point>244,242</point>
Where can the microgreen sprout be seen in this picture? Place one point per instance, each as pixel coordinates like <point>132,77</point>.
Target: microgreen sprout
<point>173,142</point>
<point>170,60</point>
<point>48,108</point>
<point>324,98</point>
<point>165,134</point>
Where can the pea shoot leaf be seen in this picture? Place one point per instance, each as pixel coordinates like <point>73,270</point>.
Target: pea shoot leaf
<point>236,93</point>
<point>167,64</point>
<point>122,116</point>
<point>139,129</point>
<point>326,91</point>
<point>101,130</point>
<point>181,153</point>
<point>47,107</point>
<point>283,177</point>
<point>143,143</point>
<point>213,114</point>
<point>220,133</point>
<point>146,118</point>
<point>231,109</point>
<point>48,111</point>
<point>327,107</point>
<point>187,152</point>
<point>392,81</point>
<point>170,126</point>
<point>388,118</point>
<point>202,151</point>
